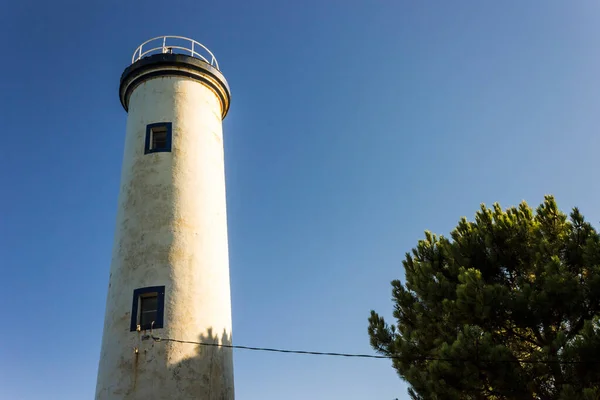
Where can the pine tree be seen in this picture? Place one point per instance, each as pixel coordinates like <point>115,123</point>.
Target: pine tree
<point>508,308</point>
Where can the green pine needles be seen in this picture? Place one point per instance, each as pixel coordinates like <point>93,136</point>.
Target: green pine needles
<point>509,308</point>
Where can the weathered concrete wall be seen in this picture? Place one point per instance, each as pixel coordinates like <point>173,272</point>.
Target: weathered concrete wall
<point>171,230</point>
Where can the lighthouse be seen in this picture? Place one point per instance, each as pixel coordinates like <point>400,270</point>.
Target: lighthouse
<point>169,276</point>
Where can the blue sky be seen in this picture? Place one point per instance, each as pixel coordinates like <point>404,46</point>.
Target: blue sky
<point>354,126</point>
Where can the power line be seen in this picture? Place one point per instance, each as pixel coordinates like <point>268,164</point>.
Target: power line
<point>320,353</point>
<point>229,346</point>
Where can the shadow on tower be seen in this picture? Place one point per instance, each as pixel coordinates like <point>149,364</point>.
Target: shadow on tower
<point>208,375</point>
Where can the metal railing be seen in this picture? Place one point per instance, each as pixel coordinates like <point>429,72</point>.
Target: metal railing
<point>174,44</point>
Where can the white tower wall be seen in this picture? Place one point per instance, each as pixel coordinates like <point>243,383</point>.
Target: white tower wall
<point>171,231</point>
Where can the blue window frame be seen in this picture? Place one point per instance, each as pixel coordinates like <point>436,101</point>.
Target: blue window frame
<point>148,308</point>
<point>158,137</point>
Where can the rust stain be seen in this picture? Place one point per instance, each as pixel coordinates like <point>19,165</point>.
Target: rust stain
<point>135,368</point>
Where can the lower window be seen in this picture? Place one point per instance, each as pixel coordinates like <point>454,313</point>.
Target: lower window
<point>148,308</point>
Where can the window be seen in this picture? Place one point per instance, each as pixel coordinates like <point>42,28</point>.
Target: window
<point>158,138</point>
<point>147,310</point>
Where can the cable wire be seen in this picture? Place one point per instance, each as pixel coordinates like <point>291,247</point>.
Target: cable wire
<point>229,346</point>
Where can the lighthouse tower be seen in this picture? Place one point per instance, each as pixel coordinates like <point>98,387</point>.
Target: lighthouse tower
<point>169,274</point>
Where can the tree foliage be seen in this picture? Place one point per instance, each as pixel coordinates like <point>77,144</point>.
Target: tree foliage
<point>508,308</point>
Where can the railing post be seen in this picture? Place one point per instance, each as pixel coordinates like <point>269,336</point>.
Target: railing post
<point>192,48</point>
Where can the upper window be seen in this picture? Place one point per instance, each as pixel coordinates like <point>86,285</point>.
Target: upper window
<point>158,137</point>
<point>148,306</point>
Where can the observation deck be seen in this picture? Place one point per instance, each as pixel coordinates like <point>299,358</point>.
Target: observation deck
<point>174,45</point>
<point>174,56</point>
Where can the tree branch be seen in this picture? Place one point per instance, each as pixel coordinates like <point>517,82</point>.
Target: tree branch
<point>525,338</point>
<point>577,327</point>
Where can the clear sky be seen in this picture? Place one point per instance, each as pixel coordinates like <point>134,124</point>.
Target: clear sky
<point>354,126</point>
